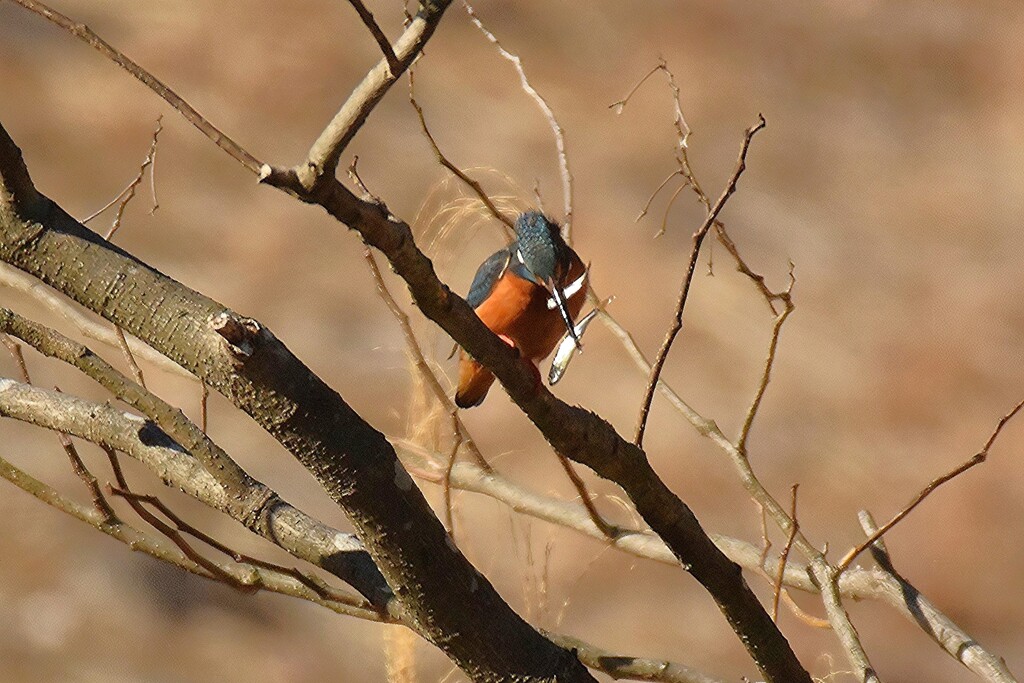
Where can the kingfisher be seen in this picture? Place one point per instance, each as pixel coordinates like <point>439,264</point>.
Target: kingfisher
<point>529,294</point>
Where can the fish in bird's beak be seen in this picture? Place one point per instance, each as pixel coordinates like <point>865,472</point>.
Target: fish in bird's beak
<point>558,295</point>
<point>566,349</point>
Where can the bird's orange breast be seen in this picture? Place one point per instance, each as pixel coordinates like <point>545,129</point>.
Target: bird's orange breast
<point>517,309</point>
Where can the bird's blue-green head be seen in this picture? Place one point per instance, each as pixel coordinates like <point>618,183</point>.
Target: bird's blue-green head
<point>546,258</point>
<point>541,249</point>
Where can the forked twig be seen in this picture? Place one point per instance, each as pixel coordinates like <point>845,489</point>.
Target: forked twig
<point>974,460</point>
<point>657,191</point>
<point>128,193</point>
<point>136,502</point>
<point>444,161</point>
<point>698,238</point>
<point>99,501</point>
<point>769,363</point>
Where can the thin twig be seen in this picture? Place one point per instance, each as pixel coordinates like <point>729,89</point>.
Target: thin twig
<point>98,499</point>
<point>609,530</point>
<point>129,358</point>
<point>668,209</point>
<point>444,161</point>
<point>766,543</point>
<point>769,364</point>
<point>447,484</point>
<point>767,294</point>
<point>621,104</point>
<point>974,460</point>
<point>128,193</point>
<point>784,556</point>
<point>698,238</point>
<point>19,358</point>
<point>86,35</point>
<point>378,35</point>
<point>657,191</point>
<point>204,400</point>
<point>556,128</point>
<point>420,361</point>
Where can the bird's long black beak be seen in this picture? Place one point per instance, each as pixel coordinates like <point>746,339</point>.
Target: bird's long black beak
<point>557,295</point>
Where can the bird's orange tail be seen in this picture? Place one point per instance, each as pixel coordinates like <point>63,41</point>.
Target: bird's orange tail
<point>474,382</point>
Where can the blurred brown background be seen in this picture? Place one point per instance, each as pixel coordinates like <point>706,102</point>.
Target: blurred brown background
<point>890,174</point>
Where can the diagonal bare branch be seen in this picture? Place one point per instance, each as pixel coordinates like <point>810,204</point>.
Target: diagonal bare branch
<point>302,536</point>
<point>974,460</point>
<point>89,37</point>
<point>378,35</point>
<point>322,159</point>
<point>684,292</point>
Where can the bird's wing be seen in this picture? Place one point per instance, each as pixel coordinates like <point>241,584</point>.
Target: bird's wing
<point>486,276</point>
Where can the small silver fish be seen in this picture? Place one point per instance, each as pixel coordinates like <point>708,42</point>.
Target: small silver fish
<point>565,350</point>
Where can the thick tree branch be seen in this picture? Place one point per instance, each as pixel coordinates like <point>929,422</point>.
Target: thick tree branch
<point>136,540</point>
<point>322,159</point>
<point>956,642</point>
<point>302,536</point>
<point>447,600</point>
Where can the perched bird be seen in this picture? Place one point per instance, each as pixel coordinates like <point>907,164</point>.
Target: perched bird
<point>529,294</point>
